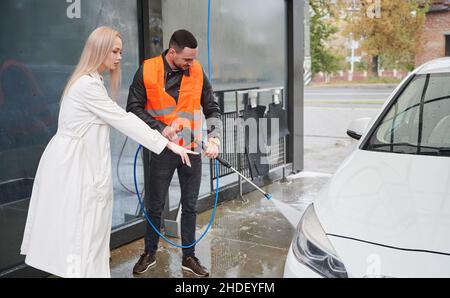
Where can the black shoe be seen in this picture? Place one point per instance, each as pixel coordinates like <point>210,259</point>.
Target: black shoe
<point>192,264</point>
<point>145,262</point>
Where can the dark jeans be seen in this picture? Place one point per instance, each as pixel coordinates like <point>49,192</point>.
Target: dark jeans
<point>162,168</point>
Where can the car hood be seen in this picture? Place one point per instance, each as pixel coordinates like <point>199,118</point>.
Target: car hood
<point>391,200</point>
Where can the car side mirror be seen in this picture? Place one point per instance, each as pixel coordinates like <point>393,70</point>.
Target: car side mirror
<point>358,127</point>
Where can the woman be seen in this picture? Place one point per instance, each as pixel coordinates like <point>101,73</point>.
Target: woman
<point>69,220</point>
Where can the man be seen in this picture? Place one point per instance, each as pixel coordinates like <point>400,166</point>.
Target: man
<point>168,93</point>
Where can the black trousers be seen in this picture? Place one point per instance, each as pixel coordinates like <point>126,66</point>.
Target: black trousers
<point>162,168</point>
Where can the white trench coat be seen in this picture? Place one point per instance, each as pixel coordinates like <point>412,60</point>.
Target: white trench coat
<point>68,227</point>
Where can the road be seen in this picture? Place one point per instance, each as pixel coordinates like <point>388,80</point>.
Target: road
<point>353,96</point>
<point>329,110</point>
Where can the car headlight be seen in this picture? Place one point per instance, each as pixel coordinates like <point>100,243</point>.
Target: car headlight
<point>313,248</point>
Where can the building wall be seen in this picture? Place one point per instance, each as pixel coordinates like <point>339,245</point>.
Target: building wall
<point>432,44</point>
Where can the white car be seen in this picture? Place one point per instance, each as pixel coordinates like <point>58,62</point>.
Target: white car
<point>386,211</point>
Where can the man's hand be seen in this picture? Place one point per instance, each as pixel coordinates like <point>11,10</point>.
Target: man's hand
<point>212,149</point>
<point>170,133</point>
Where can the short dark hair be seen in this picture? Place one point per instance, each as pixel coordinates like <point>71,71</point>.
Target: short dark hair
<point>182,39</point>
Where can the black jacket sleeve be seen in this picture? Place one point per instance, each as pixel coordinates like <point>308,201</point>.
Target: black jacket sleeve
<point>211,110</point>
<point>137,99</point>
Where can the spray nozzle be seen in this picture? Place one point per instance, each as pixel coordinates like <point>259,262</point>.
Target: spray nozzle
<point>276,93</point>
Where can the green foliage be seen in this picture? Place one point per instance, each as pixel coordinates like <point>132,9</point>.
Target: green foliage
<point>394,34</point>
<point>361,66</point>
<point>322,30</point>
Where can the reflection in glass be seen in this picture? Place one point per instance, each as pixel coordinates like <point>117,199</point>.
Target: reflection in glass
<point>40,46</point>
<point>419,121</point>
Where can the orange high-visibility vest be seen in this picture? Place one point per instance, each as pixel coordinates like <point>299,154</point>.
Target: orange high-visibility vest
<point>182,115</point>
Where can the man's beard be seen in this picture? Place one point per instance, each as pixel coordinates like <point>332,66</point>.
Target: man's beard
<point>178,67</point>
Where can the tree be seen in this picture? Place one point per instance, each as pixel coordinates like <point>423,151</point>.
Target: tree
<point>322,30</point>
<point>387,28</point>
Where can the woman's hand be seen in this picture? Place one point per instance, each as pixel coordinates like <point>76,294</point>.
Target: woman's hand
<point>182,152</point>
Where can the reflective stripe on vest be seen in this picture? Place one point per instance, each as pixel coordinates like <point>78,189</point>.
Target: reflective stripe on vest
<point>182,114</point>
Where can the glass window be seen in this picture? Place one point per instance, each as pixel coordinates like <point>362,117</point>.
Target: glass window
<point>419,121</point>
<point>248,50</point>
<point>248,39</point>
<point>41,42</point>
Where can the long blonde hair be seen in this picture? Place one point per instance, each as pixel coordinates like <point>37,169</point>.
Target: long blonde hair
<point>97,48</point>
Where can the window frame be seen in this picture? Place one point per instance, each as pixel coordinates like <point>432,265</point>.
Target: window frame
<point>365,144</point>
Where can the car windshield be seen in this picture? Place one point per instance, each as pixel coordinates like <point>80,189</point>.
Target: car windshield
<point>418,122</point>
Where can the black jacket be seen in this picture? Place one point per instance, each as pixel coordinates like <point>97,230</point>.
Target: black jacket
<point>137,98</point>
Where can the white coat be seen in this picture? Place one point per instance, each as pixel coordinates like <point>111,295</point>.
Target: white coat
<point>68,227</point>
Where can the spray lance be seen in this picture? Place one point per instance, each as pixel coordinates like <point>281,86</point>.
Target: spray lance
<point>226,164</point>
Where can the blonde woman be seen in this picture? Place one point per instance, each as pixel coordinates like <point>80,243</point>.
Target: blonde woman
<point>69,219</point>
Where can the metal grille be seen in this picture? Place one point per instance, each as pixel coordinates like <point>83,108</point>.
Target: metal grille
<point>233,142</point>
<point>277,157</point>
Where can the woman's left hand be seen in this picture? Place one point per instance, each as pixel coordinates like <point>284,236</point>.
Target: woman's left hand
<point>182,152</point>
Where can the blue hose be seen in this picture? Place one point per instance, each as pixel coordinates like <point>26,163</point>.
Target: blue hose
<point>209,40</point>
<point>217,165</point>
<point>150,222</point>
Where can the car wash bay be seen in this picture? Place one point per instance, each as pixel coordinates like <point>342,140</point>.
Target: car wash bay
<point>260,54</point>
<point>251,237</point>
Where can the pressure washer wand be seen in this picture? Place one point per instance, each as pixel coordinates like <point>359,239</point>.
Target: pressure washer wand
<point>228,165</point>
